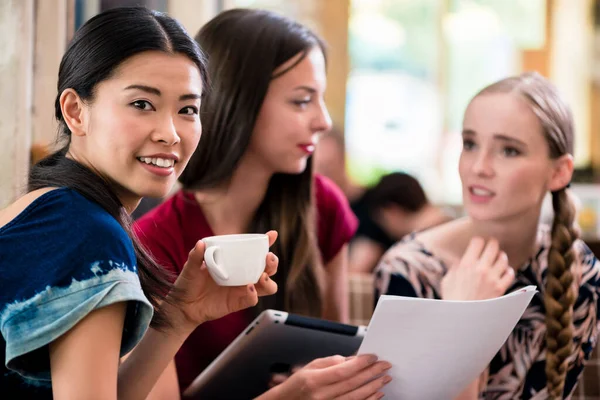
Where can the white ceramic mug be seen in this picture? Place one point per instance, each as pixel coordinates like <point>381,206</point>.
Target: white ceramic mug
<point>236,260</point>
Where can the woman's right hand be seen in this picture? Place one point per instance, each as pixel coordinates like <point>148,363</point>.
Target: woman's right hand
<point>482,273</point>
<point>201,299</point>
<point>336,377</point>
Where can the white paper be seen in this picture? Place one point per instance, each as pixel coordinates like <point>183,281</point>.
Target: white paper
<point>438,347</point>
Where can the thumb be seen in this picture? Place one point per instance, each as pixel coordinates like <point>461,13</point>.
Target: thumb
<point>193,267</point>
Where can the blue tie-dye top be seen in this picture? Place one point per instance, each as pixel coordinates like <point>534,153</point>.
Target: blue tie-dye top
<point>60,259</point>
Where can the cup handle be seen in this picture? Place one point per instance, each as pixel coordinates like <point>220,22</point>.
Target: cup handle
<point>209,259</point>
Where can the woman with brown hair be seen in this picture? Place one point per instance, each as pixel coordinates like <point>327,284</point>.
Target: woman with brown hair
<point>253,169</point>
<point>517,147</point>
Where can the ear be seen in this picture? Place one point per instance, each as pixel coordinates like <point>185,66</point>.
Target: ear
<point>74,112</point>
<point>562,172</point>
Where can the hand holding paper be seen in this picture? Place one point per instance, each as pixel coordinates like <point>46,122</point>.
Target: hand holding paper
<point>438,347</point>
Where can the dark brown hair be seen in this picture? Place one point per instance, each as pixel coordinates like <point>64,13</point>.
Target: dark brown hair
<point>244,47</point>
<point>400,189</point>
<point>559,296</point>
<point>98,48</point>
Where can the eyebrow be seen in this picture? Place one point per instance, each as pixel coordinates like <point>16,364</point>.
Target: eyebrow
<point>155,91</point>
<point>306,88</point>
<point>498,136</point>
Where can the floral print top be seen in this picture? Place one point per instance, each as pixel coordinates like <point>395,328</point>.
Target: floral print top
<point>518,369</point>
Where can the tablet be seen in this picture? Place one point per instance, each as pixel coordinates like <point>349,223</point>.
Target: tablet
<point>274,342</point>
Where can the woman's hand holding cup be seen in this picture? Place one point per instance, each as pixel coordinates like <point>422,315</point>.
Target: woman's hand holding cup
<point>203,299</point>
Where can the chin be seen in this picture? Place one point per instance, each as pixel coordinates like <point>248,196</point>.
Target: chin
<point>157,191</point>
<point>480,213</point>
<point>293,169</point>
<point>492,215</point>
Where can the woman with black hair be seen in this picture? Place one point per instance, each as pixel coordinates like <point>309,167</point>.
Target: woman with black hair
<point>78,291</point>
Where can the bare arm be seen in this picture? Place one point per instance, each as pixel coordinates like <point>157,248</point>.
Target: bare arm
<point>84,362</point>
<point>167,387</point>
<point>364,255</point>
<point>337,298</point>
<point>147,364</point>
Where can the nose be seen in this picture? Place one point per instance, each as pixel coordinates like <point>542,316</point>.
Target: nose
<point>483,165</point>
<point>322,120</point>
<point>166,132</point>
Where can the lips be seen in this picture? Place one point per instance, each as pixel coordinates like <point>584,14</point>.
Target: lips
<point>479,194</point>
<point>308,148</point>
<point>158,161</point>
<point>479,191</point>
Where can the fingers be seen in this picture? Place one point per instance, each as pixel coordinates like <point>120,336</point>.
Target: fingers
<point>500,265</point>
<point>507,279</point>
<point>361,385</point>
<point>345,370</point>
<point>490,253</point>
<point>325,362</point>
<point>369,390</point>
<point>193,265</point>
<point>196,255</point>
<point>272,235</point>
<point>471,255</point>
<point>277,379</point>
<point>265,285</point>
<point>271,264</point>
<point>376,396</point>
<point>247,298</point>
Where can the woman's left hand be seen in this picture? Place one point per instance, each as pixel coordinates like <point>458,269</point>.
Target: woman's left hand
<point>201,299</point>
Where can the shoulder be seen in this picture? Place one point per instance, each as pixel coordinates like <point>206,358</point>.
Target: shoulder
<point>588,264</point>
<point>63,213</point>
<point>584,254</point>
<point>326,189</point>
<point>410,268</point>
<point>63,228</point>
<point>331,201</point>
<point>72,257</point>
<point>409,254</point>
<point>336,223</point>
<point>447,240</point>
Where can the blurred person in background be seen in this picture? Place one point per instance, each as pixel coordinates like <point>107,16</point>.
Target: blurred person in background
<point>396,206</point>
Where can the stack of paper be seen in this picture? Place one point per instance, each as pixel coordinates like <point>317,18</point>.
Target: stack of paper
<point>438,347</point>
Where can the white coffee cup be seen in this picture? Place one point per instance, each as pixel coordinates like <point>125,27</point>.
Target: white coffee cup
<point>236,260</point>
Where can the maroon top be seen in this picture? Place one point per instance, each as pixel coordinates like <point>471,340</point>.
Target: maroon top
<point>172,229</point>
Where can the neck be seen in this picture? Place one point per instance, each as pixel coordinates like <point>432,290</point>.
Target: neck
<point>130,204</point>
<point>231,207</point>
<point>128,200</point>
<point>517,237</point>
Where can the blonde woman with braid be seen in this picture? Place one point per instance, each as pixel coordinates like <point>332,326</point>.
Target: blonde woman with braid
<point>517,147</point>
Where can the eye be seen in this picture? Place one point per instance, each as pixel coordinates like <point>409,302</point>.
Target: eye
<point>143,105</point>
<point>468,144</point>
<point>511,151</point>
<point>189,110</point>
<point>301,103</point>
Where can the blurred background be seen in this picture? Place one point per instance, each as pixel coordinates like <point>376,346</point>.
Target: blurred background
<point>400,74</point>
